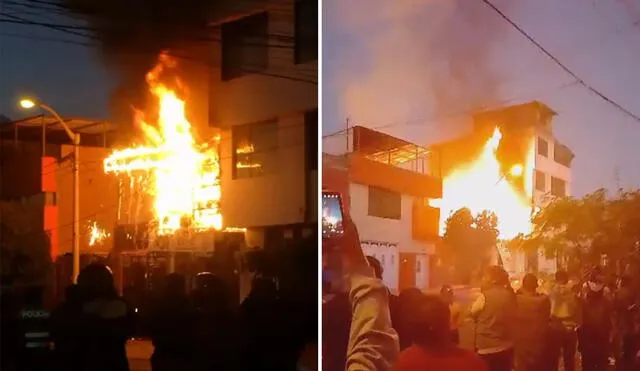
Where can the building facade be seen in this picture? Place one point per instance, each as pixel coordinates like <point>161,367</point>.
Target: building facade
<point>263,97</point>
<point>551,165</point>
<point>386,196</point>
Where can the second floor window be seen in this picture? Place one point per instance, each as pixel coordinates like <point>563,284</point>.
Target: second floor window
<point>384,203</point>
<point>255,149</point>
<point>306,31</point>
<point>245,46</point>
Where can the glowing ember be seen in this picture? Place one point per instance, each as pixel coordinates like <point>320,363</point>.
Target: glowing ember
<point>97,234</point>
<point>481,185</point>
<point>184,175</point>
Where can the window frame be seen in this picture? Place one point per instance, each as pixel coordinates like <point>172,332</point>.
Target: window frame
<point>381,208</point>
<point>249,132</point>
<point>233,47</point>
<point>564,186</point>
<point>302,52</point>
<point>546,145</point>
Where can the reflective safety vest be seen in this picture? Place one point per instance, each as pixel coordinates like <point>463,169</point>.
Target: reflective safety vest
<point>35,329</point>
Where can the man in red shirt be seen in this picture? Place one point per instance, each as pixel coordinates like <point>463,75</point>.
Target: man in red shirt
<point>432,347</point>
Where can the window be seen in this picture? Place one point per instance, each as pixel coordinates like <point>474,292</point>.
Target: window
<point>384,203</point>
<point>541,181</point>
<point>384,261</point>
<point>255,149</point>
<point>306,31</point>
<point>244,46</point>
<point>50,198</point>
<point>562,155</point>
<point>393,259</point>
<point>543,147</point>
<point>418,266</point>
<point>311,138</point>
<point>558,187</point>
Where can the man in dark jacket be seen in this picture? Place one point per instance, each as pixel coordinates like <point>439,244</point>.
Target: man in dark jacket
<point>597,323</point>
<point>532,322</point>
<point>34,330</point>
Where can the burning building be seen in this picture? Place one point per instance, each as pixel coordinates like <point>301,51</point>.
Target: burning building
<point>509,164</point>
<point>385,183</point>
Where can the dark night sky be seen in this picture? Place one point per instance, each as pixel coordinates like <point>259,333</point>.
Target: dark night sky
<point>36,61</point>
<point>387,68</point>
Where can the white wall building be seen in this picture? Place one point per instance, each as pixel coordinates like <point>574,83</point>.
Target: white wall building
<point>389,237</point>
<point>384,191</point>
<point>263,96</point>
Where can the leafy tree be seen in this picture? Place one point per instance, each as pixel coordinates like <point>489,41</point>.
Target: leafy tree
<point>578,231</point>
<point>468,241</point>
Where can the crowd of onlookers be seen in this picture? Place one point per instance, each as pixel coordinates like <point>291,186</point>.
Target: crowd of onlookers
<point>192,325</point>
<point>566,325</point>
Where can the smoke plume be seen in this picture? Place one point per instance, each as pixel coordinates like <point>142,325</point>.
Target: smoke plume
<point>130,34</point>
<point>424,63</point>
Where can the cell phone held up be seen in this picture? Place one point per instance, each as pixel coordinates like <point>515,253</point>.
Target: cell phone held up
<point>332,217</point>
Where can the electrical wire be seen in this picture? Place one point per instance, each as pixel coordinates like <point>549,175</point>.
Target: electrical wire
<point>303,78</point>
<point>559,63</point>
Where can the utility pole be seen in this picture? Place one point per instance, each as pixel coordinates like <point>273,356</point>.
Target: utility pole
<point>347,132</point>
<point>75,139</point>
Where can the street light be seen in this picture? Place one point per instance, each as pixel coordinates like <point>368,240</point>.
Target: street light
<point>75,139</point>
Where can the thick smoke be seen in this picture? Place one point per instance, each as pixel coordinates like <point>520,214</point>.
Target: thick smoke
<point>130,34</point>
<point>425,62</point>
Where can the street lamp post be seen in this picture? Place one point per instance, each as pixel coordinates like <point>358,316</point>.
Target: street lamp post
<point>75,139</point>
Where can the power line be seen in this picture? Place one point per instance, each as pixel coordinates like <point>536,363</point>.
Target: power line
<point>20,20</point>
<point>559,63</point>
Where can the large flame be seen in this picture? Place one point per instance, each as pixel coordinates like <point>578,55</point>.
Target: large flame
<point>483,185</point>
<point>184,175</point>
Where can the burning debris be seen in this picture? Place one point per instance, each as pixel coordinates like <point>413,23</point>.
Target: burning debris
<point>482,184</point>
<point>97,234</point>
<point>180,175</point>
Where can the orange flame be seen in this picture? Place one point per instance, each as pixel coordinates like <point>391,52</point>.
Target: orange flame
<point>482,185</point>
<point>97,234</point>
<point>185,176</point>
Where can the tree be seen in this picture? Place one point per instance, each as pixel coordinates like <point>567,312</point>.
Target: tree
<point>24,248</point>
<point>469,241</point>
<point>579,231</point>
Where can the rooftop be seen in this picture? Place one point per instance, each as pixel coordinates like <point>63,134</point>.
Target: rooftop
<point>93,133</point>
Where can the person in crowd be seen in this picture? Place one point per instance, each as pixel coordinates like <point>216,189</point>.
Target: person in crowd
<point>446,293</point>
<point>394,304</point>
<point>172,327</point>
<point>373,343</point>
<point>218,326</point>
<point>407,304</point>
<point>100,323</point>
<point>336,323</point>
<point>432,347</point>
<point>494,312</point>
<point>626,326</point>
<point>532,322</point>
<point>65,330</point>
<point>35,350</point>
<point>597,321</point>
<point>565,319</point>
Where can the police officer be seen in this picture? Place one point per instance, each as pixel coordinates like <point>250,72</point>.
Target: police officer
<point>35,345</point>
